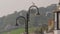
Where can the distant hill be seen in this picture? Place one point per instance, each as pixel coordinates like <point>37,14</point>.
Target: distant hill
<point>34,19</point>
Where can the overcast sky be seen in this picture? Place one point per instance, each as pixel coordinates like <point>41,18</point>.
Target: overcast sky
<point>9,6</point>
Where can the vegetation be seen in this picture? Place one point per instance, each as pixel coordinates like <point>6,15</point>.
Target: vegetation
<point>19,31</point>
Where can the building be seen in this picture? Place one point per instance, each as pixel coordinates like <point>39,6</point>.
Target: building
<point>57,19</point>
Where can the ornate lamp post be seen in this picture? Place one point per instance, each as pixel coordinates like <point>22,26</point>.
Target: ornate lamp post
<point>27,20</point>
<point>28,13</point>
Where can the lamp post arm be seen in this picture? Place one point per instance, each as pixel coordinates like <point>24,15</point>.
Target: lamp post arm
<point>18,19</point>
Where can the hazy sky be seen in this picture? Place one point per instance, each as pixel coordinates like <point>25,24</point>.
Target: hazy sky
<point>9,6</point>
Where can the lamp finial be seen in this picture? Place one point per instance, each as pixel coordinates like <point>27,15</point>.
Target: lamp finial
<point>33,3</point>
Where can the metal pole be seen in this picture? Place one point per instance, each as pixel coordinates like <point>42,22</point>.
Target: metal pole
<point>26,24</point>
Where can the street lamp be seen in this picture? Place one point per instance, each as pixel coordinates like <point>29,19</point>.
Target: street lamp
<point>27,15</point>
